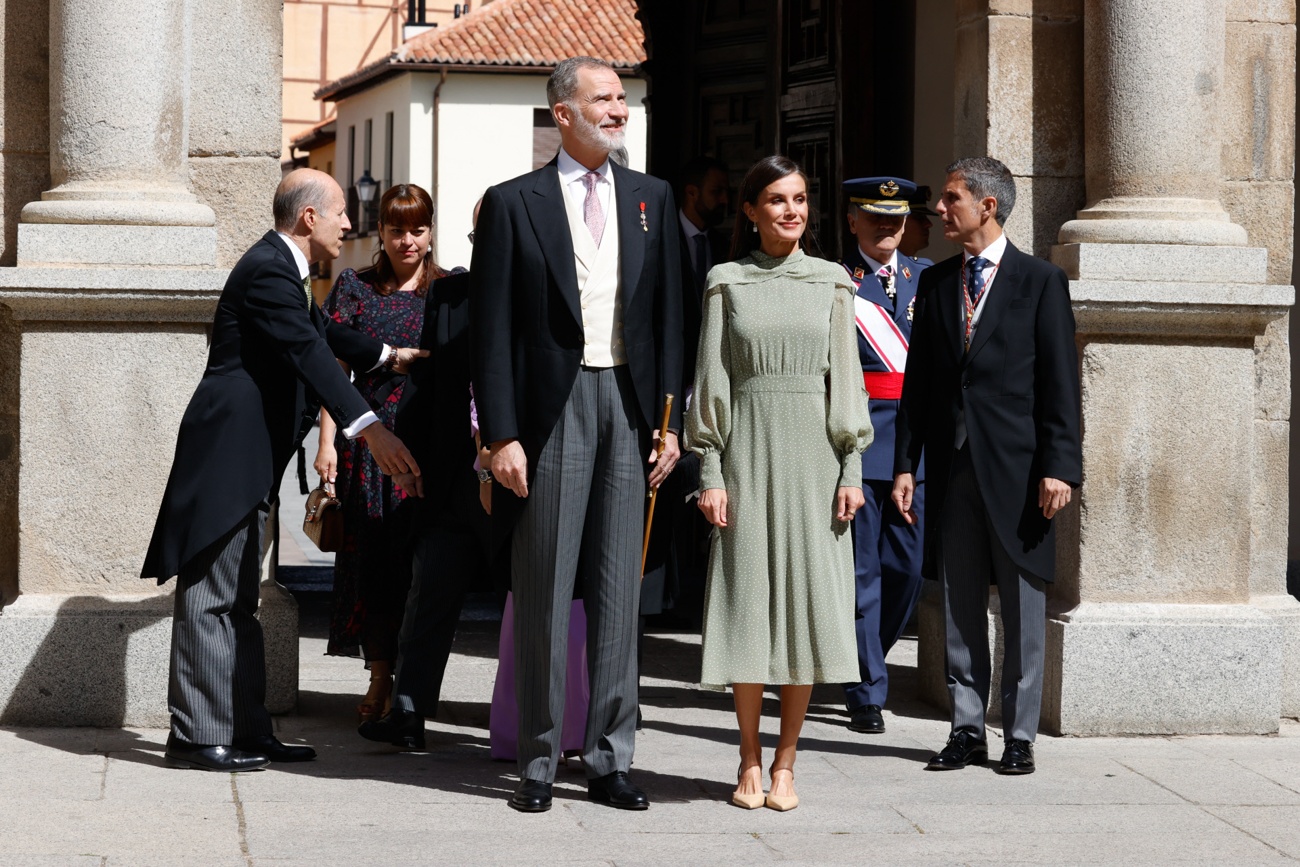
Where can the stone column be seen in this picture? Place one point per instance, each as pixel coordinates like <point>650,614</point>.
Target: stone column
<point>1157,623</point>
<point>119,118</point>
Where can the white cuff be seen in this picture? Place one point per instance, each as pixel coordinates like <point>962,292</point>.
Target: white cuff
<point>353,430</point>
<point>380,363</point>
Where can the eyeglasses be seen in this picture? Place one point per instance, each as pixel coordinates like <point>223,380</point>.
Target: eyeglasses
<point>471,236</point>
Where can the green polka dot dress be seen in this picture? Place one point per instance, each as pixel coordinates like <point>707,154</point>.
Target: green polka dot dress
<point>779,418</point>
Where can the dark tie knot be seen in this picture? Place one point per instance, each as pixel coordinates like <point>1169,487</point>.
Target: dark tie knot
<point>977,264</point>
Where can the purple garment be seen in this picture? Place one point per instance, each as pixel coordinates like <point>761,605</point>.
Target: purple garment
<point>504,719</point>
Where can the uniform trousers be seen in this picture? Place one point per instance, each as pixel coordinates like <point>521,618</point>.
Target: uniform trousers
<point>972,556</point>
<point>887,568</point>
<point>586,501</point>
<point>217,686</point>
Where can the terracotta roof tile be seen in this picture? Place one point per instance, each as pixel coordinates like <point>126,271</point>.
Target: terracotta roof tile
<point>533,33</point>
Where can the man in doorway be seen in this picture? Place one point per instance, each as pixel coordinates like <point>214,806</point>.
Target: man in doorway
<point>916,232</point>
<point>992,397</point>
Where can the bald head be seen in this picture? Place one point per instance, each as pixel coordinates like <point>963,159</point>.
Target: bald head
<point>300,189</point>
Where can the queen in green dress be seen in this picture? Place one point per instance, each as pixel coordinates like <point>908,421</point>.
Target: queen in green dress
<point>779,419</point>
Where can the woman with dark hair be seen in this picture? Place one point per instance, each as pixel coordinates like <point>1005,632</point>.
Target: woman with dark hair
<point>779,419</point>
<point>372,571</point>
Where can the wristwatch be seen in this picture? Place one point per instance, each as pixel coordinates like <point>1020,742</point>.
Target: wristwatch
<point>390,361</point>
<point>484,477</point>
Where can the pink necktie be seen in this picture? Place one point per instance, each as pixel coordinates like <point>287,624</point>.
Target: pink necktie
<point>591,211</point>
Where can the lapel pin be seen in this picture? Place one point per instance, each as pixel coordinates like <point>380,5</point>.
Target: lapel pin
<point>644,227</point>
<point>858,273</point>
<point>907,274</point>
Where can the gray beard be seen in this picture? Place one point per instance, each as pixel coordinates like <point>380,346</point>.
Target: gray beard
<point>594,137</point>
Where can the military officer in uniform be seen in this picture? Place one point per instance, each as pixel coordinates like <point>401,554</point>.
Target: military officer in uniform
<point>916,231</point>
<point>887,549</point>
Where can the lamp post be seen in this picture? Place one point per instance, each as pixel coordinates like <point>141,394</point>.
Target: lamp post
<point>366,188</point>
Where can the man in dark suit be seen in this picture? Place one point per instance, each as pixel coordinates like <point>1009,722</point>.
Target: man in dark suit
<point>576,316</point>
<point>992,396</point>
<point>271,364</point>
<point>449,526</point>
<point>887,549</point>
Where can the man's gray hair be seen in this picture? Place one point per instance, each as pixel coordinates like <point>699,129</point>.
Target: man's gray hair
<point>984,177</point>
<point>295,193</point>
<point>563,83</point>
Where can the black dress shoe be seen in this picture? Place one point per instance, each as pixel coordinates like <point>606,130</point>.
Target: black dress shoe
<point>268,746</point>
<point>401,728</point>
<point>615,790</point>
<point>867,719</point>
<point>1017,758</point>
<point>963,749</point>
<point>532,796</point>
<point>201,757</point>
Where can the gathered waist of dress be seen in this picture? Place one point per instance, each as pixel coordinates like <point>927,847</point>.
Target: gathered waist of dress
<point>797,383</point>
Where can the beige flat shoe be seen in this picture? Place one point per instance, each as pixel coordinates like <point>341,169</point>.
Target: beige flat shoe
<point>781,803</point>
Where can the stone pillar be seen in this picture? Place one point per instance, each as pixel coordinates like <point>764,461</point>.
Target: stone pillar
<point>119,122</point>
<point>1158,622</point>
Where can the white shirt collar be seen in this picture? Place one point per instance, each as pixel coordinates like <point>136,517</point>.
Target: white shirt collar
<point>571,171</point>
<point>993,252</point>
<point>304,267</point>
<point>688,227</point>
<point>876,266</point>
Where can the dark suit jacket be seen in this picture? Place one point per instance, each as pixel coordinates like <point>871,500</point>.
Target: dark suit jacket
<point>1019,386</point>
<point>270,365</point>
<point>526,315</point>
<point>693,294</point>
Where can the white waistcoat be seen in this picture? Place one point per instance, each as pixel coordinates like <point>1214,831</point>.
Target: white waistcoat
<point>599,288</point>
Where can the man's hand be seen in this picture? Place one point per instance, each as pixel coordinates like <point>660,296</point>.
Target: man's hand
<point>1053,496</point>
<point>510,466</point>
<point>848,501</point>
<point>663,464</point>
<point>485,496</point>
<point>406,356</point>
<point>904,488</point>
<point>327,463</point>
<point>389,452</point>
<point>713,503</point>
<point>411,483</point>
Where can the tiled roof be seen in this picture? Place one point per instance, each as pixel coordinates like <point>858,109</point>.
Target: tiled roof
<point>534,33</point>
<point>514,36</point>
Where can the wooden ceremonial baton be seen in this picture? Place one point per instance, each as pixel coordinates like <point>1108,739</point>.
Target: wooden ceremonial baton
<point>654,492</point>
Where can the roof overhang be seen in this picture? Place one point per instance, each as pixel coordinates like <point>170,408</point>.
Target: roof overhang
<point>380,71</point>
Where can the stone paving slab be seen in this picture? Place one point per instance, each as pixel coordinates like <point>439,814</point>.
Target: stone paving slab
<point>103,797</point>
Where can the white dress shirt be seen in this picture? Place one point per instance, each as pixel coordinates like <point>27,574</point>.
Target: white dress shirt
<point>892,264</point>
<point>993,255</point>
<point>571,174</point>
<point>304,271</point>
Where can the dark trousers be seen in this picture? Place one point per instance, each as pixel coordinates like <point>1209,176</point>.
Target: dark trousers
<point>972,556</point>
<point>217,685</point>
<point>448,553</point>
<point>887,566</point>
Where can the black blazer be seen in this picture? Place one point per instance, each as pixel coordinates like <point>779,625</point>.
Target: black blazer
<point>525,311</point>
<point>1019,386</point>
<point>270,366</point>
<point>693,294</point>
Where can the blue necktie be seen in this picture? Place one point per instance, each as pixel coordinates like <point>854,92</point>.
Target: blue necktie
<point>975,278</point>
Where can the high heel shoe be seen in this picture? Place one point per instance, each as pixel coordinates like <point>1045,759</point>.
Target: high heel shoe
<point>379,697</point>
<point>746,801</point>
<point>781,803</point>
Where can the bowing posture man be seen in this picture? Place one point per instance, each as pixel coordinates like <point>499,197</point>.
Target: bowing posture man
<point>269,368</point>
<point>887,549</point>
<point>992,396</point>
<point>576,314</point>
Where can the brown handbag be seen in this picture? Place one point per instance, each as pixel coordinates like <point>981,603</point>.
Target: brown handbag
<point>324,521</point>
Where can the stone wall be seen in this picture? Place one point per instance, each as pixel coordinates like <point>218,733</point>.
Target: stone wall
<point>24,113</point>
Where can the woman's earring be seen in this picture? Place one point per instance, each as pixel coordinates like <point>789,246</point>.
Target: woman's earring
<point>753,227</point>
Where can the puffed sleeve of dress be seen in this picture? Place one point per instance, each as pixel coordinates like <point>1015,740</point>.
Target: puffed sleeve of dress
<point>708,423</point>
<point>848,419</point>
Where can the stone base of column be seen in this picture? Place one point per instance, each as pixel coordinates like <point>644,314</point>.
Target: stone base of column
<point>103,660</point>
<point>116,246</point>
<point>1123,220</point>
<point>1162,668</point>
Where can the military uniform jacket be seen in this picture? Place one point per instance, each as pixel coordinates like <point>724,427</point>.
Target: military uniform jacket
<point>878,461</point>
<point>271,363</point>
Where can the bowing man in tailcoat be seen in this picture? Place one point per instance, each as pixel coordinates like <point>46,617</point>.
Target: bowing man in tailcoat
<point>992,397</point>
<point>575,313</point>
<point>887,549</point>
<point>271,365</point>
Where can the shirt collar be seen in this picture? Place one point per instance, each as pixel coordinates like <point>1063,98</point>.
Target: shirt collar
<point>876,266</point>
<point>571,171</point>
<point>992,253</point>
<point>304,267</point>
<point>690,229</point>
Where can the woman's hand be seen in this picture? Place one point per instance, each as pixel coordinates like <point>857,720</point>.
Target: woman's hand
<point>713,503</point>
<point>485,496</point>
<point>327,462</point>
<point>848,501</point>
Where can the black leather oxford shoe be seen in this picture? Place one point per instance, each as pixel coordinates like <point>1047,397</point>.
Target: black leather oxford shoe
<point>401,728</point>
<point>532,796</point>
<point>268,746</point>
<point>203,757</point>
<point>963,749</point>
<point>1017,758</point>
<point>867,719</point>
<point>615,790</point>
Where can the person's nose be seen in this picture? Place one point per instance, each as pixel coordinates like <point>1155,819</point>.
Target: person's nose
<point>347,224</point>
<point>619,110</point>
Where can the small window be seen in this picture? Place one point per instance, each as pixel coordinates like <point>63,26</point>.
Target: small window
<point>546,137</point>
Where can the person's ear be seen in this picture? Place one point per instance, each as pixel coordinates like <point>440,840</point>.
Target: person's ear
<point>309,216</point>
<point>749,211</point>
<point>988,207</point>
<point>562,114</point>
<point>852,217</point>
